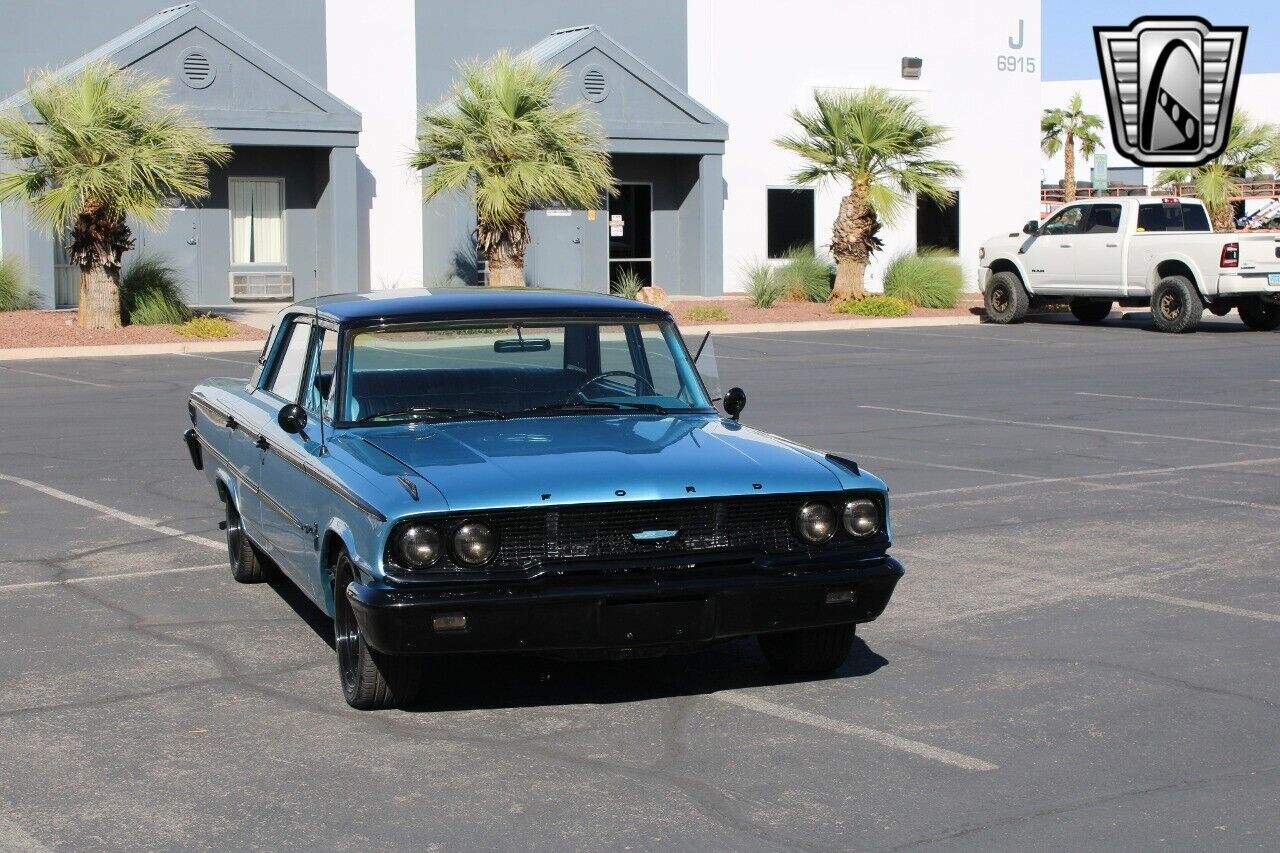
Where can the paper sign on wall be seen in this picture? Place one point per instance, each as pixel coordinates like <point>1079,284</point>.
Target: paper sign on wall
<point>616,225</point>
<point>552,211</point>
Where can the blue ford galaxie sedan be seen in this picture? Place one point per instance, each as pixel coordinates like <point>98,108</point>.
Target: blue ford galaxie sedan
<point>483,470</point>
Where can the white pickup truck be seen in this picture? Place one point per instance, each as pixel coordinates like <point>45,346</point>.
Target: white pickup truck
<point>1137,251</point>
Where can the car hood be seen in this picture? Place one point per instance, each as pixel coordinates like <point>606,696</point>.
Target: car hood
<point>596,459</point>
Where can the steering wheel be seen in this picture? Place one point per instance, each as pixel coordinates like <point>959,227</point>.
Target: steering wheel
<point>594,379</point>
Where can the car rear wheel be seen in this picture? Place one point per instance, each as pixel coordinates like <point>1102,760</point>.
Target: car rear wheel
<point>1006,299</point>
<point>1176,306</point>
<point>370,679</point>
<point>1090,310</point>
<point>247,565</point>
<point>1259,314</point>
<point>812,650</point>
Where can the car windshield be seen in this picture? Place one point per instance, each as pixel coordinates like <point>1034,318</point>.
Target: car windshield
<point>449,371</point>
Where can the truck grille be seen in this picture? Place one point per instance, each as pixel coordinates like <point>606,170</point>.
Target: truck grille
<point>761,524</point>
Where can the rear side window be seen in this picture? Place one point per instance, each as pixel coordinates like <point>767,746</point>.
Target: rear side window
<point>1104,219</point>
<point>1172,217</point>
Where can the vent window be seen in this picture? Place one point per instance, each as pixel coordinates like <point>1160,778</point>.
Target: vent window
<point>595,85</point>
<point>196,69</point>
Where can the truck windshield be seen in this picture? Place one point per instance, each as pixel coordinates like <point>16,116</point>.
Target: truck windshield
<point>448,371</point>
<point>1172,217</point>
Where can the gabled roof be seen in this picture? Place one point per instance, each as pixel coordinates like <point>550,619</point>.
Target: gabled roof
<point>688,119</point>
<point>314,108</point>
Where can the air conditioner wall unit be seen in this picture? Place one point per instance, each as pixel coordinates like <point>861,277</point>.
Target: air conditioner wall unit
<point>261,285</point>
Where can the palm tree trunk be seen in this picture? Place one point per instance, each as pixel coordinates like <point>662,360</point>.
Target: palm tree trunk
<point>1069,168</point>
<point>849,245</point>
<point>506,266</point>
<point>99,297</point>
<point>1223,216</point>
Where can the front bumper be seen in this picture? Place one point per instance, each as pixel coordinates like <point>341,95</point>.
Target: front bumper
<point>623,610</point>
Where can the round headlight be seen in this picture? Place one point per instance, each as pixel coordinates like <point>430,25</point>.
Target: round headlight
<point>816,522</point>
<point>474,544</point>
<point>861,518</point>
<point>419,546</point>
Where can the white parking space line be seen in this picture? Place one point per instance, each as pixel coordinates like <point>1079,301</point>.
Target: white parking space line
<point>111,512</point>
<point>1183,402</point>
<point>1073,428</point>
<point>892,741</point>
<point>15,587</point>
<point>253,359</point>
<point>1204,605</point>
<point>1084,478</point>
<point>53,376</point>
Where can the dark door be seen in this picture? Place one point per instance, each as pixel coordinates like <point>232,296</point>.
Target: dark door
<point>631,232</point>
<point>938,225</point>
<point>178,244</point>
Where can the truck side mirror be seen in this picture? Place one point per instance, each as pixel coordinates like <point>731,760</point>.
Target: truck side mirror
<point>293,419</point>
<point>1032,228</point>
<point>734,402</point>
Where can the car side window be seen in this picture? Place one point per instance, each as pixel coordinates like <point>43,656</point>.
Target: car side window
<point>1104,219</point>
<point>286,373</point>
<point>1069,220</point>
<point>317,397</point>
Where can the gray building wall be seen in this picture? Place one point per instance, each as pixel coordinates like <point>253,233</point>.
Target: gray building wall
<point>450,32</point>
<point>49,33</point>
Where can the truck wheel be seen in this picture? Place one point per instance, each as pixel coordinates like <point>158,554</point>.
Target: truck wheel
<point>1259,314</point>
<point>1090,310</point>
<point>247,565</point>
<point>370,679</point>
<point>1176,305</point>
<point>812,650</point>
<point>1006,298</point>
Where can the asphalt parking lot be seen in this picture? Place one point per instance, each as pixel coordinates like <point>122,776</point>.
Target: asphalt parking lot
<point>1083,654</point>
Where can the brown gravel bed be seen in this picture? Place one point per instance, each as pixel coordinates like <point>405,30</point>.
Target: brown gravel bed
<point>58,329</point>
<point>741,311</point>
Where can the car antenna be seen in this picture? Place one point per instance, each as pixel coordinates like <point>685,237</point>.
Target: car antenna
<point>315,325</point>
<point>698,354</point>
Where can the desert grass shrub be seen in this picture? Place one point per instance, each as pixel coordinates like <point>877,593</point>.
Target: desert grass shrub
<point>150,294</point>
<point>930,278</point>
<point>763,286</point>
<point>627,284</point>
<point>706,314</point>
<point>876,306</point>
<point>207,327</point>
<point>14,293</point>
<point>805,276</point>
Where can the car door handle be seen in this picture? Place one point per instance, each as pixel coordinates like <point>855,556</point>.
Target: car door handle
<point>262,443</point>
<point>231,423</point>
<point>1112,245</point>
<point>1065,245</point>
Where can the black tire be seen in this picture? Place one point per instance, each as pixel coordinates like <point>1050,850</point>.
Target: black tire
<point>1176,306</point>
<point>247,565</point>
<point>812,650</point>
<point>1259,314</point>
<point>370,679</point>
<point>1006,299</point>
<point>1090,311</point>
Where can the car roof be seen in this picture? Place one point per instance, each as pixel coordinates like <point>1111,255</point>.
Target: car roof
<point>453,303</point>
<point>1136,199</point>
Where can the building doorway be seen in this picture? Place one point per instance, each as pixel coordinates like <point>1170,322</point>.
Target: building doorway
<point>938,225</point>
<point>631,233</point>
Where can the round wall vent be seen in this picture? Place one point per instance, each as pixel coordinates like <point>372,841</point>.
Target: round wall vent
<point>196,69</point>
<point>595,86</point>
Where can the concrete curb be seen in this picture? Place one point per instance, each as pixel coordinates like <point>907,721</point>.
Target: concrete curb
<point>195,347</point>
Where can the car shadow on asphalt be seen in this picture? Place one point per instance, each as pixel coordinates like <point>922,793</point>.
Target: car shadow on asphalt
<point>1140,323</point>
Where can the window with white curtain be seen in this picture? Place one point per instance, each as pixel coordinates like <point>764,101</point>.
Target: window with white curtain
<point>257,221</point>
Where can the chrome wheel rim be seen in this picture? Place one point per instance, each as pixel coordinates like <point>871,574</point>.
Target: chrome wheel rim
<point>234,534</point>
<point>346,638</point>
<point>1170,305</point>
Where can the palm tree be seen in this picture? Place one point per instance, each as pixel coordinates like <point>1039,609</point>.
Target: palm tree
<point>501,137</point>
<point>886,150</point>
<point>1252,148</point>
<point>1059,131</point>
<point>105,148</point>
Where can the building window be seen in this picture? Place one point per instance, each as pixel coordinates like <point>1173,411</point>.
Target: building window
<point>257,221</point>
<point>790,220</point>
<point>938,225</point>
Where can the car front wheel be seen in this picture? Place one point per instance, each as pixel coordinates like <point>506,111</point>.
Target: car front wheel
<point>1259,314</point>
<point>809,651</point>
<point>1006,298</point>
<point>1176,305</point>
<point>370,679</point>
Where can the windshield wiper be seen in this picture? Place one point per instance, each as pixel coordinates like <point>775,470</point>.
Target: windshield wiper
<point>442,412</point>
<point>593,406</point>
